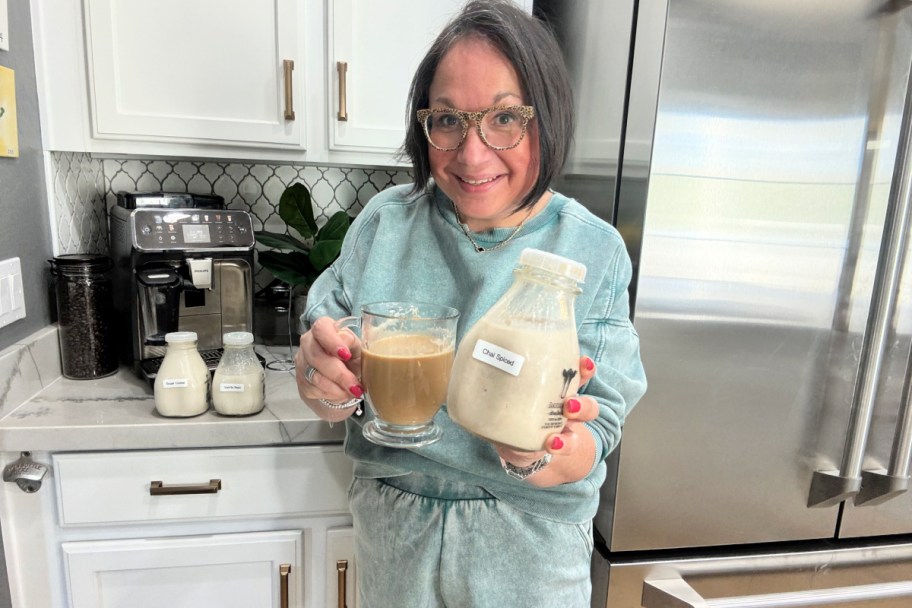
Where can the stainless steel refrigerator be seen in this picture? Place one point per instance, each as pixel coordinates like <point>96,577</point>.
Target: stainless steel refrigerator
<point>757,157</point>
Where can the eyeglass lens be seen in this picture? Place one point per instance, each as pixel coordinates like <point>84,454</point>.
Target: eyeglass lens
<point>502,128</point>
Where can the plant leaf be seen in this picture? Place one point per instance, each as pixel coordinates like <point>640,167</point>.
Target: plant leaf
<point>295,208</point>
<point>280,241</point>
<point>294,268</point>
<point>324,252</point>
<point>335,228</point>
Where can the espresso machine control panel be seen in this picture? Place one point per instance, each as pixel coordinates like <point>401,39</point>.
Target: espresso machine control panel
<point>162,229</point>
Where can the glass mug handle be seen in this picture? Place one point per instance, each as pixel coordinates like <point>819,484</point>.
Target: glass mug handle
<point>349,324</point>
<point>343,323</point>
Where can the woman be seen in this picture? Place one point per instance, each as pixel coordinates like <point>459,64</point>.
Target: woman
<point>462,522</point>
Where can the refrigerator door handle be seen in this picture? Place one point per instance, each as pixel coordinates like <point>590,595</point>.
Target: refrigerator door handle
<point>878,487</point>
<point>677,593</point>
<point>829,488</point>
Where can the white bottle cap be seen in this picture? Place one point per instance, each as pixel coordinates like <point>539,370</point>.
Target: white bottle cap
<point>553,263</point>
<point>175,337</point>
<point>237,338</point>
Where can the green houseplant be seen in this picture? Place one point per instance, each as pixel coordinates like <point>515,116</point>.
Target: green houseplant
<point>293,260</point>
<point>297,262</point>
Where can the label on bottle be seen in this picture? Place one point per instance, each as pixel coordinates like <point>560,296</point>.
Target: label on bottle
<point>498,357</point>
<point>175,383</point>
<point>231,387</point>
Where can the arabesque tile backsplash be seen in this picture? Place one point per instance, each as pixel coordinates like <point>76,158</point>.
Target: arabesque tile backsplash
<point>86,187</point>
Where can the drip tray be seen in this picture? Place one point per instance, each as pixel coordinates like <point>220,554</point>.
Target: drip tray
<point>150,367</point>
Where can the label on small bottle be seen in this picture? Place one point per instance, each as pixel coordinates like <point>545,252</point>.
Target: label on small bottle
<point>498,357</point>
<point>175,383</point>
<point>231,387</point>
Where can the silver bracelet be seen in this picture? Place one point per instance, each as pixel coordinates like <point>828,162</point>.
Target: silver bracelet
<point>341,406</point>
<point>521,473</point>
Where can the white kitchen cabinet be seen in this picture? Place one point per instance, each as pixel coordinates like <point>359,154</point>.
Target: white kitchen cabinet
<point>256,570</point>
<point>380,45</point>
<point>341,580</point>
<point>374,49</point>
<point>206,78</point>
<point>200,71</point>
<point>179,528</point>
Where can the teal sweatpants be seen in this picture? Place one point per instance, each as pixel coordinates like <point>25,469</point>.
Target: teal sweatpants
<point>421,542</point>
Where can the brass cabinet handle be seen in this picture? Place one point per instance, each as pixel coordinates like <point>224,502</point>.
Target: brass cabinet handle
<point>284,571</point>
<point>341,570</point>
<point>158,488</point>
<point>288,68</point>
<point>342,68</point>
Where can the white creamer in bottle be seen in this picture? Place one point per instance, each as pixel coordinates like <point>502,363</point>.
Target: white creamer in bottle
<point>239,382</point>
<point>182,382</point>
<point>519,362</point>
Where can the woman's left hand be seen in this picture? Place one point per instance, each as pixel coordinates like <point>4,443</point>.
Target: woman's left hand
<point>573,449</point>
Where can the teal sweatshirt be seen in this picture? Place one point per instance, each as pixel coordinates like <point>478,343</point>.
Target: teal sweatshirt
<point>410,247</point>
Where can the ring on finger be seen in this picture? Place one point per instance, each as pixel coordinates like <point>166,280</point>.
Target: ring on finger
<point>309,373</point>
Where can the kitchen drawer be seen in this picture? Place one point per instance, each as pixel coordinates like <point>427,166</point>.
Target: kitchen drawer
<point>116,487</point>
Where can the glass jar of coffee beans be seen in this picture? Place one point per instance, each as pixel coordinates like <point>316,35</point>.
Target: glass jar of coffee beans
<point>85,315</point>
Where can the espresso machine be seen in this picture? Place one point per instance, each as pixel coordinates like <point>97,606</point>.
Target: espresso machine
<point>182,262</point>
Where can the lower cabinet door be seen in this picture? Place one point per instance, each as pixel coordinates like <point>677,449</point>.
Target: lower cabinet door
<point>341,583</point>
<point>250,570</point>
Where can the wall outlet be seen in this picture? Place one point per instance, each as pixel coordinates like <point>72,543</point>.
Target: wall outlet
<point>12,298</point>
<point>4,26</point>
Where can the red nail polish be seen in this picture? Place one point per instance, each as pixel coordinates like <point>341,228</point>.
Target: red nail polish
<point>573,406</point>
<point>344,353</point>
<point>356,390</point>
<point>557,443</point>
<point>590,364</point>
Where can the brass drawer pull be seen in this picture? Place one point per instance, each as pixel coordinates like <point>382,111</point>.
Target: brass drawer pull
<point>341,571</point>
<point>160,489</point>
<point>288,68</point>
<point>342,68</point>
<point>284,571</point>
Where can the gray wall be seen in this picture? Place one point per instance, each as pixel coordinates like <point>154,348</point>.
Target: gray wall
<point>24,224</point>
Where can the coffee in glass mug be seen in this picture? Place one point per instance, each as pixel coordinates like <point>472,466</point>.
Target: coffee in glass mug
<point>407,351</point>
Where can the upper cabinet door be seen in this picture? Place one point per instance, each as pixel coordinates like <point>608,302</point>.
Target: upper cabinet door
<point>380,44</point>
<point>197,71</point>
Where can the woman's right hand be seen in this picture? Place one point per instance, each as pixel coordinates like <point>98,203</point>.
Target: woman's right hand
<point>335,357</point>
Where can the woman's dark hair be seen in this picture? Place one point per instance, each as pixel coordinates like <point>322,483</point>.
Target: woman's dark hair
<point>535,55</point>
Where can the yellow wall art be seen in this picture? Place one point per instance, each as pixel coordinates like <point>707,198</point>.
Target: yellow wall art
<point>9,132</point>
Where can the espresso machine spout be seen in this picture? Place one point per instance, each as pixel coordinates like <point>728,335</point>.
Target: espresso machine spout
<point>201,272</point>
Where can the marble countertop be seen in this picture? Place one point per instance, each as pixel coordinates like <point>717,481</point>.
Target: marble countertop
<point>118,412</point>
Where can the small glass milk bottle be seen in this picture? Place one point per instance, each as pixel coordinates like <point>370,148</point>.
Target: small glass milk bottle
<point>182,383</point>
<point>239,382</point>
<point>519,362</point>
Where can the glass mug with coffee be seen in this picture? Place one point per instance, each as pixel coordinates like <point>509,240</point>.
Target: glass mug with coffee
<point>407,351</point>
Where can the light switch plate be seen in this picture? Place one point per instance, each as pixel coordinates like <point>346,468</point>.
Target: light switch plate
<point>6,295</point>
<point>4,26</point>
<point>13,306</point>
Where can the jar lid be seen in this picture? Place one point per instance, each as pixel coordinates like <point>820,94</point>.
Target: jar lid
<point>553,263</point>
<point>177,337</point>
<point>89,261</point>
<point>237,338</point>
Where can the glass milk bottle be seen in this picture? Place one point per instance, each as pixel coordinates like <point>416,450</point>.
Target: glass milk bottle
<point>518,363</point>
<point>239,382</point>
<point>182,383</point>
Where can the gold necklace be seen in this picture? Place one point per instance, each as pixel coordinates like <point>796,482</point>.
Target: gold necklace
<point>479,248</point>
